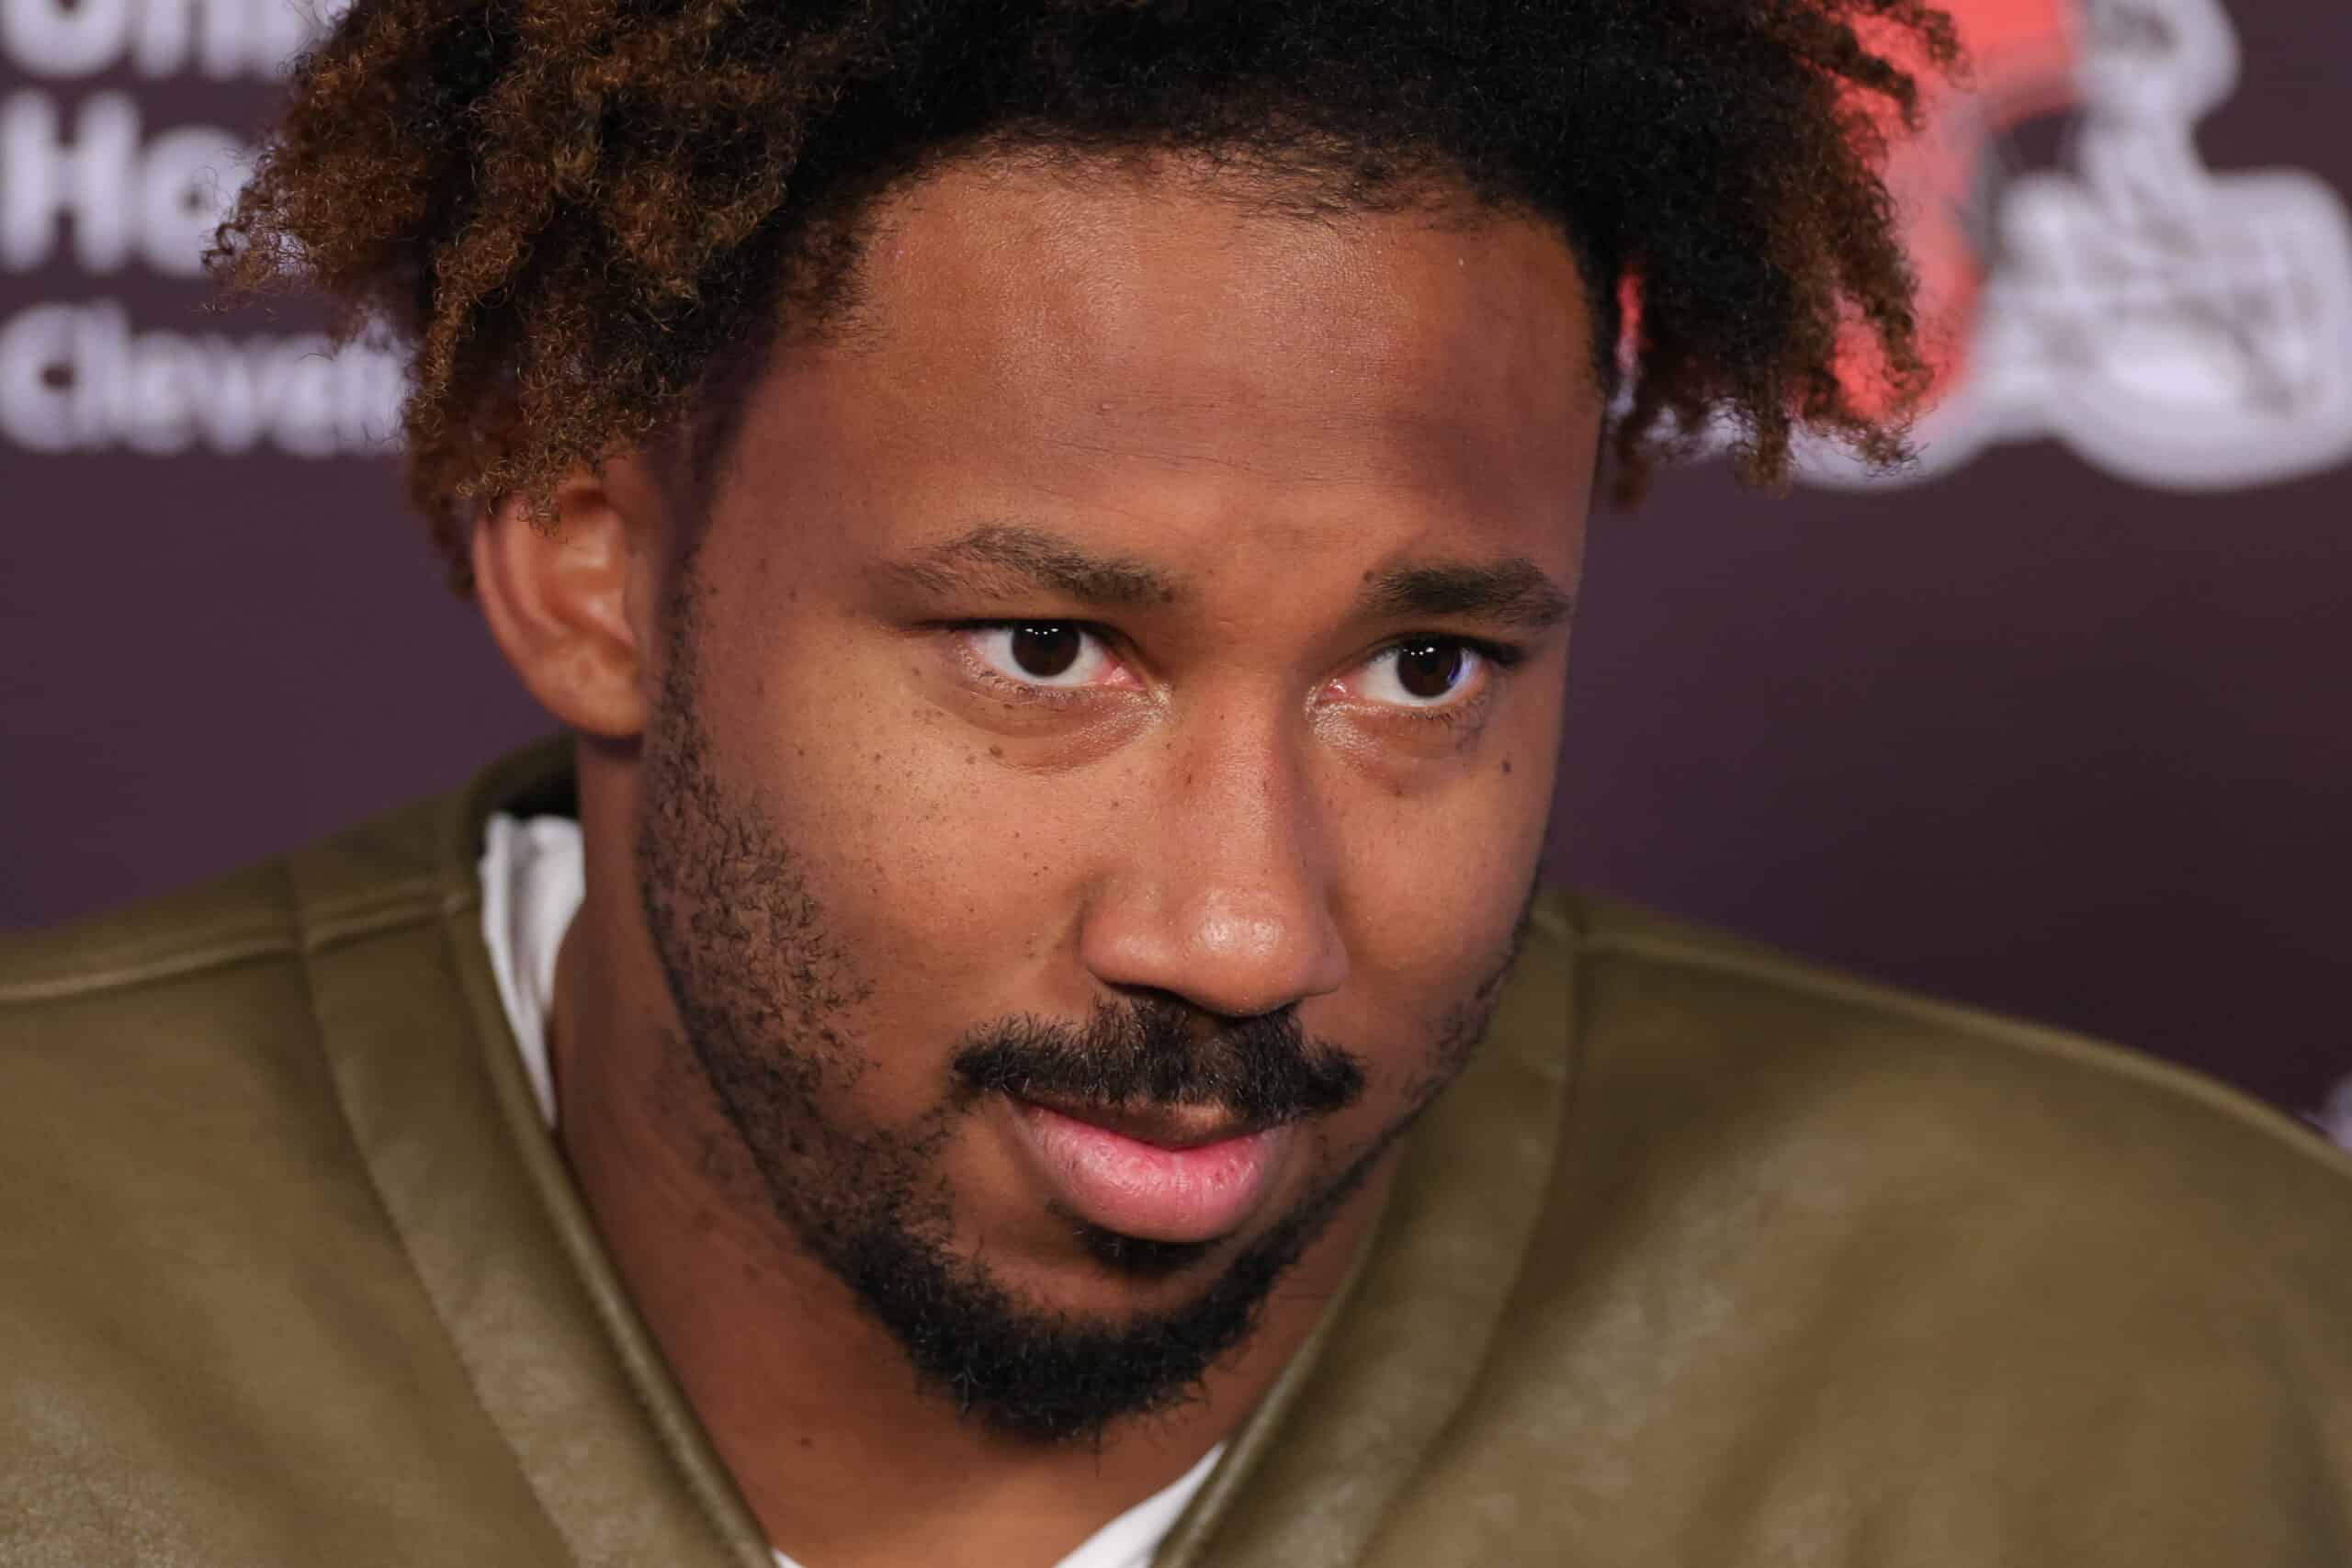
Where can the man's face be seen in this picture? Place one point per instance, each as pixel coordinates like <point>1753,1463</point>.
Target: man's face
<point>1107,730</point>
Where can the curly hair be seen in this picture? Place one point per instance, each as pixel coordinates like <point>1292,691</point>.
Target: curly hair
<point>578,214</point>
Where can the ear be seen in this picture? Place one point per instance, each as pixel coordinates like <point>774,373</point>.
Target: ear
<point>572,605</point>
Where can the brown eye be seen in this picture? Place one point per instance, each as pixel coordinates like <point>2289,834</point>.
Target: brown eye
<point>1044,650</point>
<point>1430,669</point>
<point>1428,672</point>
<point>1060,655</point>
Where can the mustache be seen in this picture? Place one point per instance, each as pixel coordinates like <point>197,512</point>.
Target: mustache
<point>1155,1051</point>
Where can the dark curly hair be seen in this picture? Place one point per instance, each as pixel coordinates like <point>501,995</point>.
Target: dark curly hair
<point>585,215</point>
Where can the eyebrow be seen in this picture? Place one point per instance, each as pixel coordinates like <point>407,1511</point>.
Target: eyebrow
<point>1010,557</point>
<point>1513,593</point>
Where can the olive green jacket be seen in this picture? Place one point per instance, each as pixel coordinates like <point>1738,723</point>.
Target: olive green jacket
<point>1710,1259</point>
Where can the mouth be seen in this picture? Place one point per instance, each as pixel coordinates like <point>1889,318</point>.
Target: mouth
<point>1157,1173</point>
<point>1172,1127</point>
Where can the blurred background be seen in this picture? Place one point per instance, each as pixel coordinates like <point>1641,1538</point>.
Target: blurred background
<point>2054,724</point>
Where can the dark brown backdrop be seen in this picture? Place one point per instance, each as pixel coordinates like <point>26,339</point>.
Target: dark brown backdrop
<point>2027,735</point>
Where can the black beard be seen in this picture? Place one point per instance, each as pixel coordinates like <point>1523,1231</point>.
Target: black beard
<point>765,992</point>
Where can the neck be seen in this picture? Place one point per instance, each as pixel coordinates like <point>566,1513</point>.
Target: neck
<point>813,1407</point>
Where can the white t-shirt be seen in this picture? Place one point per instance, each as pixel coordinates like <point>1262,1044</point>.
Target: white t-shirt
<point>532,881</point>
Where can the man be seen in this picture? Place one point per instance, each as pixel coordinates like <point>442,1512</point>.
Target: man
<point>1015,1030</point>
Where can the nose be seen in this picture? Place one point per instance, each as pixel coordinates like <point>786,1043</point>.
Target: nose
<point>1222,892</point>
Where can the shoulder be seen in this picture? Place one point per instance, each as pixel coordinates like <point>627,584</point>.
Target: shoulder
<point>1731,1028</point>
<point>2076,1303</point>
<point>170,1056</point>
<point>182,1035</point>
<point>1823,1271</point>
<point>168,1031</point>
<point>242,917</point>
<point>205,992</point>
<point>172,1013</point>
<point>1917,1139</point>
<point>195,1170</point>
<point>268,914</point>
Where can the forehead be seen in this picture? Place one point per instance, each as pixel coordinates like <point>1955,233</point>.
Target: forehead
<point>1164,343</point>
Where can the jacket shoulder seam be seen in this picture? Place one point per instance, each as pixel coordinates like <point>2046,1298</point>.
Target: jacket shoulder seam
<point>2044,1040</point>
<point>171,964</point>
<point>336,923</point>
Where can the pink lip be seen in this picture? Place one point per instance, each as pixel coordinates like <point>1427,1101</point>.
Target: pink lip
<point>1149,1190</point>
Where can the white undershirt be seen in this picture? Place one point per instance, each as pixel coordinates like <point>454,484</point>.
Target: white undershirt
<point>532,881</point>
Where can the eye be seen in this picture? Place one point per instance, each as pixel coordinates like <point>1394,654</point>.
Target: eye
<point>1423,673</point>
<point>1041,653</point>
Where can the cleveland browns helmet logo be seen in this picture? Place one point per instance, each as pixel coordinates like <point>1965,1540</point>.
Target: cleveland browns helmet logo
<point>2172,324</point>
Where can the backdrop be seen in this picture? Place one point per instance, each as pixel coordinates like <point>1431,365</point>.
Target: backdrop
<point>2053,724</point>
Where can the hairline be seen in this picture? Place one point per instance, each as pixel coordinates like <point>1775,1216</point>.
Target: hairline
<point>697,447</point>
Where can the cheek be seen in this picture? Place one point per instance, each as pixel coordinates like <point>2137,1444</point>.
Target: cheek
<point>1432,888</point>
<point>935,869</point>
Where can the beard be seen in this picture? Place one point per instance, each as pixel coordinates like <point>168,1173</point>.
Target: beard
<point>767,993</point>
